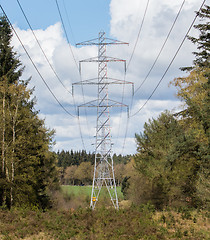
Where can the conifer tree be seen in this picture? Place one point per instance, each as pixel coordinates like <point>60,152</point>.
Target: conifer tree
<point>193,90</point>
<point>202,57</point>
<point>27,166</point>
<point>10,72</point>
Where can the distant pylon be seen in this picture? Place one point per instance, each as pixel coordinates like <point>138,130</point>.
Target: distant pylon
<point>103,167</point>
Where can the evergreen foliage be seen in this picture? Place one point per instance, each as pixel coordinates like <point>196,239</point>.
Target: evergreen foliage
<point>76,167</point>
<point>66,158</point>
<point>202,58</point>
<point>27,166</point>
<point>165,182</point>
<point>173,151</point>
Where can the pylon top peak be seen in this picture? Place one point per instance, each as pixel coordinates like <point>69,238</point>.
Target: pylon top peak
<point>96,41</point>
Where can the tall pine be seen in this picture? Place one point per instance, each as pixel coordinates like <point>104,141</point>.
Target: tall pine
<point>10,72</point>
<point>194,91</point>
<point>27,166</point>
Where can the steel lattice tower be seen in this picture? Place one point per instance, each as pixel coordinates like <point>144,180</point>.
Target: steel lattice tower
<point>103,168</point>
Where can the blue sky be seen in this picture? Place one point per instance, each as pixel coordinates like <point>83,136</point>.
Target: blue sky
<point>121,20</point>
<point>87,18</point>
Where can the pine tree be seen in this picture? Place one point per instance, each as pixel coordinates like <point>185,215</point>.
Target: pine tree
<point>202,57</point>
<point>193,90</point>
<point>27,165</point>
<point>10,72</point>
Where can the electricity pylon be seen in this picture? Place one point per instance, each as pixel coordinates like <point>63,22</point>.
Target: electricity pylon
<point>103,168</point>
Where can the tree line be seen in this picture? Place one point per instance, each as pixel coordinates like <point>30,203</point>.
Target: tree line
<point>27,164</point>
<point>69,158</point>
<point>171,167</point>
<point>76,167</point>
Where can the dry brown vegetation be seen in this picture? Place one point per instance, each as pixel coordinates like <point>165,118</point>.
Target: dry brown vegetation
<point>130,223</point>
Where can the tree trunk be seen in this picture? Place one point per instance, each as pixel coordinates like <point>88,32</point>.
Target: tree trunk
<point>3,136</point>
<point>13,151</point>
<point>12,164</point>
<point>2,190</point>
<point>5,171</point>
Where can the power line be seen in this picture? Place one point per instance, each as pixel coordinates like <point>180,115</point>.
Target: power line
<point>153,67</point>
<point>125,137</point>
<point>52,69</point>
<point>167,37</point>
<point>67,38</point>
<point>69,21</point>
<point>66,33</point>
<point>132,54</point>
<point>41,47</point>
<point>170,62</point>
<point>138,35</point>
<point>123,92</point>
<point>35,65</point>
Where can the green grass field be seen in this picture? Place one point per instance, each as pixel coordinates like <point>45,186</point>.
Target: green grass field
<point>85,191</point>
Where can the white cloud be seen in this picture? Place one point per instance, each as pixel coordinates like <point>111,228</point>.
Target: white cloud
<point>126,17</point>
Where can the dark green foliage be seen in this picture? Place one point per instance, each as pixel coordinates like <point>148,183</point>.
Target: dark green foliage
<point>118,159</point>
<point>194,91</point>
<point>9,64</point>
<point>125,186</point>
<point>27,166</point>
<point>173,151</point>
<point>154,147</point>
<point>202,58</point>
<point>203,42</point>
<point>169,157</point>
<point>66,158</point>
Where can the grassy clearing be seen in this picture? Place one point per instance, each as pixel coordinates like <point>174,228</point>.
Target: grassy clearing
<point>79,196</point>
<point>140,223</point>
<point>86,191</point>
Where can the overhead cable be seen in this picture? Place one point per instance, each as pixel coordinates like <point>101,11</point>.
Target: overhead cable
<point>61,18</point>
<point>35,65</point>
<point>170,61</point>
<point>66,34</point>
<point>167,37</point>
<point>132,54</point>
<point>138,35</point>
<point>41,47</point>
<point>69,21</point>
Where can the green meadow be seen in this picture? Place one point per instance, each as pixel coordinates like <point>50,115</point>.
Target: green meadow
<point>86,190</point>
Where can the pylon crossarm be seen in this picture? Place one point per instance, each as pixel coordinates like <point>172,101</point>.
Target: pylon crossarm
<point>94,103</point>
<point>106,41</point>
<point>105,59</point>
<point>107,80</point>
<point>113,41</point>
<point>89,104</point>
<point>89,42</point>
<point>116,104</point>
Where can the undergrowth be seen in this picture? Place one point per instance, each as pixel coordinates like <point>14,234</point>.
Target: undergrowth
<point>142,222</point>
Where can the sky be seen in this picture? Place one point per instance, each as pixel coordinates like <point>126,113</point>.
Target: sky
<point>121,20</point>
